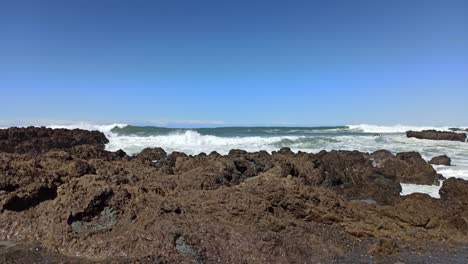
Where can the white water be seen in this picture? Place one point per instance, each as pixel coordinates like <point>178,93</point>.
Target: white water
<point>390,138</point>
<point>432,190</point>
<point>192,142</point>
<point>394,129</point>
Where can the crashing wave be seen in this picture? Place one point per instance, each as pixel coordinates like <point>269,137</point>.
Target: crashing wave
<point>192,142</point>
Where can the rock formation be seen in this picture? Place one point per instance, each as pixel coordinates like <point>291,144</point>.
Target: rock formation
<point>35,140</point>
<point>284,207</point>
<point>437,135</point>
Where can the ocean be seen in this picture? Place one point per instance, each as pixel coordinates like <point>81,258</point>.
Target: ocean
<point>366,138</point>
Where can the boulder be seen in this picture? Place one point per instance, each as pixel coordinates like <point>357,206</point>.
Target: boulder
<point>352,174</point>
<point>441,160</point>
<point>455,189</point>
<point>152,154</point>
<point>407,167</point>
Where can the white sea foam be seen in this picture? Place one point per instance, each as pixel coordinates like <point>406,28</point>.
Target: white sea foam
<point>192,142</point>
<point>432,190</point>
<point>394,129</point>
<point>459,171</point>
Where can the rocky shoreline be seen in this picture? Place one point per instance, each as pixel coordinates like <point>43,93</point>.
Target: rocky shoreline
<point>62,190</point>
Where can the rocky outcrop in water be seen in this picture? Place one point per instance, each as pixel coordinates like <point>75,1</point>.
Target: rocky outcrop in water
<point>437,135</point>
<point>284,207</point>
<point>441,160</point>
<point>458,129</point>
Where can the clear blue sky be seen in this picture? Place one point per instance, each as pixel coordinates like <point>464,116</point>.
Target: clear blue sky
<point>240,62</point>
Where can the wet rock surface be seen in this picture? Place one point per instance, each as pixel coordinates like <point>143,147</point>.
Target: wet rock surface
<point>437,135</point>
<point>284,207</point>
<point>441,160</point>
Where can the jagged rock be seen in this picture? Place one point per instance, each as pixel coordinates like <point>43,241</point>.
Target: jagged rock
<point>437,135</point>
<point>214,154</point>
<point>285,151</point>
<point>237,152</point>
<point>352,174</point>
<point>40,140</point>
<point>441,160</point>
<point>152,154</point>
<point>455,189</point>
<point>88,152</point>
<point>407,167</point>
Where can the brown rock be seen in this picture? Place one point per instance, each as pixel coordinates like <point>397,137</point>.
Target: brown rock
<point>455,189</point>
<point>441,160</point>
<point>437,135</point>
<point>40,140</point>
<point>407,167</point>
<point>243,207</point>
<point>152,154</point>
<point>384,247</point>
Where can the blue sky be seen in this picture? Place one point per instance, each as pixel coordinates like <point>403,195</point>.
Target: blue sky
<point>235,62</point>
